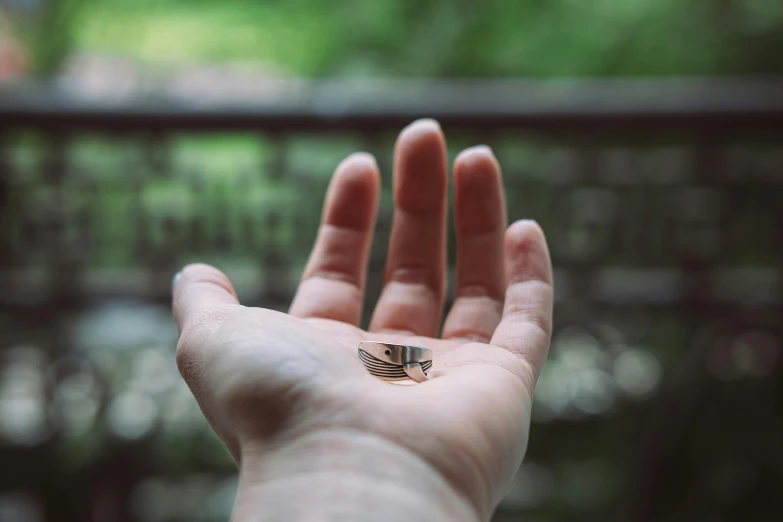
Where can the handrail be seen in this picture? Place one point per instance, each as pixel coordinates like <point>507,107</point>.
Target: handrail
<point>697,103</point>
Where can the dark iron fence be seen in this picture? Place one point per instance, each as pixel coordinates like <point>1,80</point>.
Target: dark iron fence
<point>663,206</point>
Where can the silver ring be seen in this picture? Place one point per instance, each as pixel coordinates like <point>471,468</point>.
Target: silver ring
<point>395,362</point>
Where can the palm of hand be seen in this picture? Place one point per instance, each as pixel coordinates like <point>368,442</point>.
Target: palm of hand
<point>264,375</point>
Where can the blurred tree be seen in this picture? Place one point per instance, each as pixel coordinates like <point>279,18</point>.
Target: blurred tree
<point>47,28</point>
<point>421,38</point>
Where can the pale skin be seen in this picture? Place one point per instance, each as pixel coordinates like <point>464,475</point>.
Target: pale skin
<point>314,435</point>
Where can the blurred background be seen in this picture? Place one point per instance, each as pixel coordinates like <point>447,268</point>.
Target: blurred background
<point>646,136</point>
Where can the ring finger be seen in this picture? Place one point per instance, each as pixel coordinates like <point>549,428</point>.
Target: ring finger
<point>480,215</point>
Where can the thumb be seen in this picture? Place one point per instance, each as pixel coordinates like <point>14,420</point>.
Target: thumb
<point>198,289</point>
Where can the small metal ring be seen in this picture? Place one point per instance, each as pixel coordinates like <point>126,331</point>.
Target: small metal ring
<point>395,362</point>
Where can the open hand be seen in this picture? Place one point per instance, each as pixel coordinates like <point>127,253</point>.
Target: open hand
<point>287,395</point>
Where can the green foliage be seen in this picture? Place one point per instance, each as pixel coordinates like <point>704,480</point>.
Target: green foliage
<point>49,32</point>
<point>426,38</point>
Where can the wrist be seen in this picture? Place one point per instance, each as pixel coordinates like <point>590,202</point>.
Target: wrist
<point>343,475</point>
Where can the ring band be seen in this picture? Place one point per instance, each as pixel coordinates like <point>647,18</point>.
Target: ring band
<point>395,362</point>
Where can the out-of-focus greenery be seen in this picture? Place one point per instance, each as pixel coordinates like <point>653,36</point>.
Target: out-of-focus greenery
<point>419,38</point>
<point>47,27</point>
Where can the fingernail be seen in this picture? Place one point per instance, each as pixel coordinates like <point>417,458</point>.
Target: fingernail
<point>476,151</point>
<point>427,121</point>
<point>485,149</point>
<point>175,279</point>
<point>362,156</point>
<point>423,123</point>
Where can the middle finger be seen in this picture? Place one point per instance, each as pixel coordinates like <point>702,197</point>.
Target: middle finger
<point>412,299</point>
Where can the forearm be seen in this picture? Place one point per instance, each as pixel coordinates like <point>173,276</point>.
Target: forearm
<point>344,476</point>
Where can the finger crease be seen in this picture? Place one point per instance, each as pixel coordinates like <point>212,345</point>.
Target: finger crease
<point>468,334</point>
<point>395,331</point>
<point>335,275</point>
<point>429,212</point>
<point>537,320</point>
<point>421,276</point>
<point>342,229</point>
<point>529,278</point>
<point>480,290</point>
